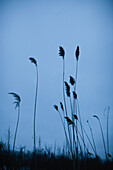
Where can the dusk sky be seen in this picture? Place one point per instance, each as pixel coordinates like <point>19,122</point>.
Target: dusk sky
<point>37,28</point>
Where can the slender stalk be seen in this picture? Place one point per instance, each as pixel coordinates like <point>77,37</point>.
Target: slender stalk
<point>80,122</point>
<point>75,106</point>
<point>64,88</point>
<point>102,135</point>
<point>74,144</point>
<point>65,103</point>
<point>72,125</point>
<point>17,105</point>
<point>92,136</point>
<point>88,138</point>
<point>103,138</point>
<point>64,128</point>
<point>76,72</point>
<point>80,136</point>
<point>16,128</point>
<point>35,108</point>
<point>36,92</point>
<point>108,130</point>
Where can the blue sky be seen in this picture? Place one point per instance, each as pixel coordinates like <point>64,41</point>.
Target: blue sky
<point>38,28</point>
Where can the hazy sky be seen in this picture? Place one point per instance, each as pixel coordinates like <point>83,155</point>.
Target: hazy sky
<point>37,28</point>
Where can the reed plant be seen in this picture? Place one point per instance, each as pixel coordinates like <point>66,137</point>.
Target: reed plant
<point>92,137</point>
<point>17,105</point>
<point>75,133</point>
<point>62,54</point>
<point>95,116</point>
<point>108,131</point>
<point>36,93</point>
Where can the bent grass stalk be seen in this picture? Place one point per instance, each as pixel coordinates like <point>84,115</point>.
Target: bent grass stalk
<point>102,134</point>
<point>72,126</point>
<point>108,130</point>
<point>80,136</point>
<point>35,62</point>
<point>17,102</point>
<point>87,138</point>
<point>92,136</point>
<point>80,122</point>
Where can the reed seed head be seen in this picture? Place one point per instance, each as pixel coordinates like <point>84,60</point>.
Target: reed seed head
<point>109,155</point>
<point>33,60</point>
<point>72,81</point>
<point>75,116</point>
<point>67,89</point>
<point>61,52</point>
<point>61,105</point>
<point>74,95</point>
<point>56,107</point>
<point>17,98</point>
<point>96,117</point>
<point>69,121</point>
<point>77,53</point>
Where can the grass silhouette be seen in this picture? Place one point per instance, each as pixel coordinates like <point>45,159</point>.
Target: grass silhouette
<point>75,134</point>
<point>17,105</point>
<point>35,63</point>
<point>102,134</point>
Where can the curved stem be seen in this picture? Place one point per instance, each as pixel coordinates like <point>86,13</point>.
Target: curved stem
<point>72,127</point>
<point>80,136</point>
<point>35,108</point>
<point>16,128</point>
<point>74,104</point>
<point>75,85</point>
<point>65,104</point>
<point>63,88</point>
<point>88,138</point>
<point>92,136</point>
<point>103,138</point>
<point>80,122</point>
<point>64,128</point>
<point>108,130</point>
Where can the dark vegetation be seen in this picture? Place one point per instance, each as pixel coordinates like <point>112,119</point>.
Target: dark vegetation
<point>75,155</point>
<point>46,160</point>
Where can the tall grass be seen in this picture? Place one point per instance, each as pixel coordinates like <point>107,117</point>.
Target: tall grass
<point>102,134</point>
<point>92,137</point>
<point>36,92</point>
<point>62,54</point>
<point>108,130</point>
<point>17,105</point>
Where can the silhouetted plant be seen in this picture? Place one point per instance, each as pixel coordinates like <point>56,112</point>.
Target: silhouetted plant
<point>86,135</point>
<point>102,134</point>
<point>67,141</point>
<point>92,136</point>
<point>36,93</point>
<point>74,101</point>
<point>61,105</point>
<point>80,119</point>
<point>108,130</point>
<point>67,89</point>
<point>62,54</point>
<point>74,95</point>
<point>17,105</point>
<point>69,121</point>
<point>72,81</point>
